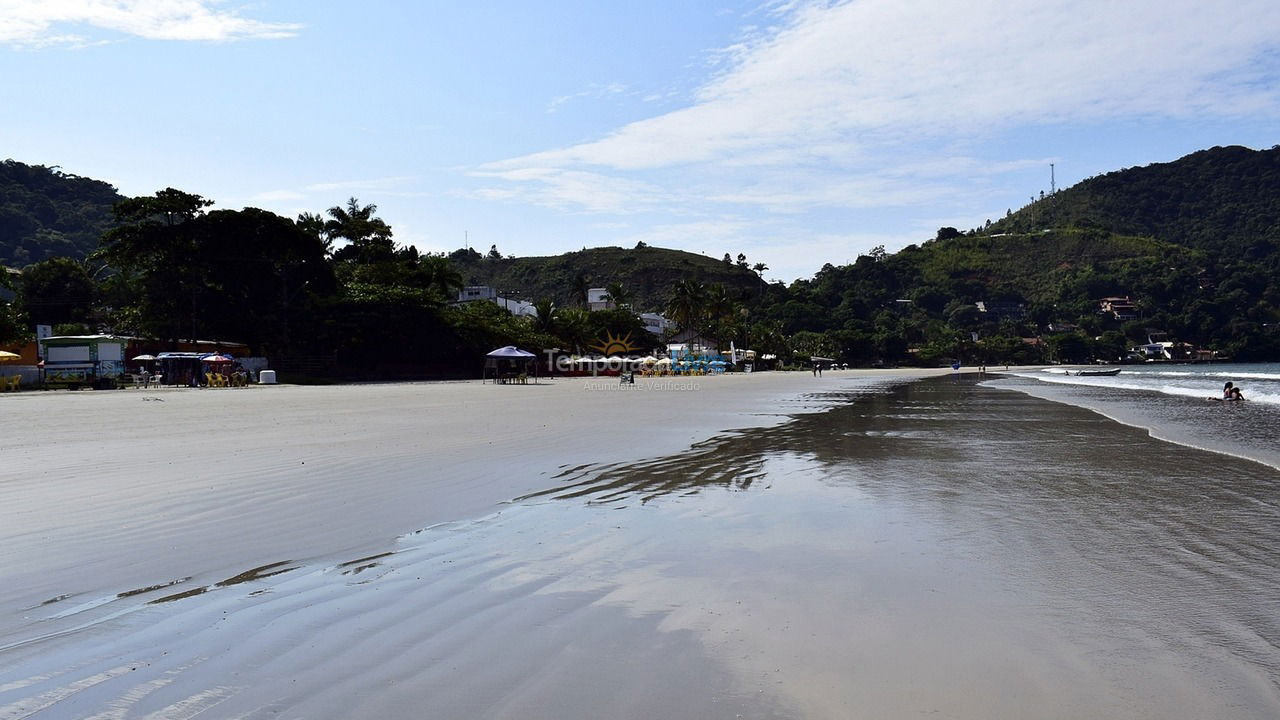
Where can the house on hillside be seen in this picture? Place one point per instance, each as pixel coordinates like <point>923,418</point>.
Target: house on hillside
<point>1120,308</point>
<point>1002,309</point>
<point>484,293</point>
<point>598,299</point>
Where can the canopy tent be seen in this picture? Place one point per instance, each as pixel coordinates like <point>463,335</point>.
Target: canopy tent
<point>508,363</point>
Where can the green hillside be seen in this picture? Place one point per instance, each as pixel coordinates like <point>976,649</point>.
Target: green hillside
<point>647,272</point>
<point>1225,199</point>
<point>1195,243</point>
<point>46,213</point>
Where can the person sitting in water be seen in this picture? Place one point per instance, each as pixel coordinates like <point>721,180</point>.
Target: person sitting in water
<point>1231,392</point>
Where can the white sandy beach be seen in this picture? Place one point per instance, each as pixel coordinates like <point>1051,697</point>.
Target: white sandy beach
<point>107,493</point>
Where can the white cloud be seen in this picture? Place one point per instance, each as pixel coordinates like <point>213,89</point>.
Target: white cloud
<point>40,23</point>
<point>848,104</point>
<point>572,190</point>
<point>595,91</point>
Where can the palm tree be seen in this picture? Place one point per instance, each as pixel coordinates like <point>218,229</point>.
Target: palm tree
<point>548,317</point>
<point>369,237</point>
<point>313,225</point>
<point>580,288</point>
<point>574,327</point>
<point>687,304</point>
<point>441,275</point>
<point>760,268</point>
<point>618,295</point>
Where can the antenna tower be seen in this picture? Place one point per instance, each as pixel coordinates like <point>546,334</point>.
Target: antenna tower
<point>1053,186</point>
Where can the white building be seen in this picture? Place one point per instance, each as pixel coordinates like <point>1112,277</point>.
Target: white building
<point>655,323</point>
<point>474,293</point>
<point>598,299</point>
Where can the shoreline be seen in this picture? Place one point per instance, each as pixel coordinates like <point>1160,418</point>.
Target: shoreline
<point>1181,435</point>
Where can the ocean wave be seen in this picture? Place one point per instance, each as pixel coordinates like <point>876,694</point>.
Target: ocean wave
<point>1134,383</point>
<point>1273,377</point>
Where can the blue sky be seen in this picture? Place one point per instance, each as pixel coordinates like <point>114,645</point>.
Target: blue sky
<point>797,132</point>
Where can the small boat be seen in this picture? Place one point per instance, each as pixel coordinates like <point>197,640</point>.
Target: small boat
<point>1095,372</point>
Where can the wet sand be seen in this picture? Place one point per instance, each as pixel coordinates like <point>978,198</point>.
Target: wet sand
<point>940,549</point>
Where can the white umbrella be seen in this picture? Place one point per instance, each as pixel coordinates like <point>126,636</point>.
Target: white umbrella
<point>142,358</point>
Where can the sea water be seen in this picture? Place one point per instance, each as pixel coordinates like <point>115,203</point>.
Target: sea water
<point>1178,403</point>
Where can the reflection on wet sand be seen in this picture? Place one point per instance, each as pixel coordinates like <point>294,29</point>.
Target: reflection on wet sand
<point>938,548</point>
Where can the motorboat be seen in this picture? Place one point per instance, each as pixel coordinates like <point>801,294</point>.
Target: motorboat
<point>1095,372</point>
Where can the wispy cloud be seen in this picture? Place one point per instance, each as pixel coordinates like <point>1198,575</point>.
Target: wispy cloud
<point>859,103</point>
<point>596,91</point>
<point>42,23</point>
<point>567,189</point>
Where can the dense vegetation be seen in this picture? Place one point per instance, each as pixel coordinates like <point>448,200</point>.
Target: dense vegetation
<point>646,272</point>
<point>1194,243</point>
<point>45,213</point>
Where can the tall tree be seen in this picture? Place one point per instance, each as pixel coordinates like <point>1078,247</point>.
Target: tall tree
<point>368,237</point>
<point>580,288</point>
<point>618,295</point>
<point>156,242</point>
<point>547,319</point>
<point>688,304</point>
<point>56,291</point>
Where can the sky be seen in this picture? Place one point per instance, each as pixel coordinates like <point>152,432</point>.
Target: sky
<point>796,132</point>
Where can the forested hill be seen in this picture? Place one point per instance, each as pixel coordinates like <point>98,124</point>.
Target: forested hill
<point>647,273</point>
<point>1194,243</point>
<point>1225,199</point>
<point>46,213</point>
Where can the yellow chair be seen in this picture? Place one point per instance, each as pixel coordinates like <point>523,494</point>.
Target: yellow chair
<point>14,382</point>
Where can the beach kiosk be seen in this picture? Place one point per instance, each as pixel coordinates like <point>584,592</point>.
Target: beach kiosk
<point>75,361</point>
<point>509,364</point>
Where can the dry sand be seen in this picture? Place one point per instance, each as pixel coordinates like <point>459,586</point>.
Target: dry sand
<point>237,508</point>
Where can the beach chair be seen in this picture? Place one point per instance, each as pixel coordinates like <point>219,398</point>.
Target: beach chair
<point>14,382</point>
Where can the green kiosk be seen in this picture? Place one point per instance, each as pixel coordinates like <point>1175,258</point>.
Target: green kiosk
<point>75,361</point>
